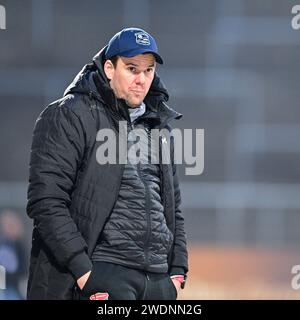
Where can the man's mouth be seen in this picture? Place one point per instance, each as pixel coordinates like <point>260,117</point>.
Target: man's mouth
<point>137,91</point>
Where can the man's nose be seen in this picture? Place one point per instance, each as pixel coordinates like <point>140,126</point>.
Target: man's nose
<point>140,79</point>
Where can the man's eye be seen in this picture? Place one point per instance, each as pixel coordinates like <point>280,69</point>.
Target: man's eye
<point>132,69</point>
<point>149,70</point>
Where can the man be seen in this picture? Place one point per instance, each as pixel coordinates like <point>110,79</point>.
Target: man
<point>106,230</point>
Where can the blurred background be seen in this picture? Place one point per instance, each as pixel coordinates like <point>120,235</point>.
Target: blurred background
<point>233,69</point>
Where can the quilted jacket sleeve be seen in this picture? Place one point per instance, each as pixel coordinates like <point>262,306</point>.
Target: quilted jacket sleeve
<point>180,255</point>
<point>57,147</point>
<point>179,263</point>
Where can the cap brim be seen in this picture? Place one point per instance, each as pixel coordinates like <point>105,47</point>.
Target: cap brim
<point>134,53</point>
<point>158,58</point>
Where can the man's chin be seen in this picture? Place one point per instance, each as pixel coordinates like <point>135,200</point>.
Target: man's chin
<point>134,104</point>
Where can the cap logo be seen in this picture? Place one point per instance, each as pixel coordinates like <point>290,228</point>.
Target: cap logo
<point>142,38</point>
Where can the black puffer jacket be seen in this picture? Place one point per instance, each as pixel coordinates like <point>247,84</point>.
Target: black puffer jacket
<point>136,234</point>
<point>71,196</point>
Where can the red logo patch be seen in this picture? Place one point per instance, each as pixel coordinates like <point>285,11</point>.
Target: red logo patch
<point>99,296</point>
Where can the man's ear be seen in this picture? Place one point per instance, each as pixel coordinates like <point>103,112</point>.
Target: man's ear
<point>109,69</point>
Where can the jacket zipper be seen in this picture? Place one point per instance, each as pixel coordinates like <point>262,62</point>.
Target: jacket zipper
<point>147,208</point>
<point>147,200</point>
<point>162,193</point>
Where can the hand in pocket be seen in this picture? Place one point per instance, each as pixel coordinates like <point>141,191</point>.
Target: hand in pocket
<point>81,282</point>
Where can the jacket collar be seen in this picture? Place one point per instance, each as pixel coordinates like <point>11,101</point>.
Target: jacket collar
<point>92,81</point>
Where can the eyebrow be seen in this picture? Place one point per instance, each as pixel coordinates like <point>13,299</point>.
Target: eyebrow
<point>135,65</point>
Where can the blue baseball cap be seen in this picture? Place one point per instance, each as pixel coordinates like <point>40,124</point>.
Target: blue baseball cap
<point>130,42</point>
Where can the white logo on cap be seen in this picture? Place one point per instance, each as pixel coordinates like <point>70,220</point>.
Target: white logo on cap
<point>142,38</point>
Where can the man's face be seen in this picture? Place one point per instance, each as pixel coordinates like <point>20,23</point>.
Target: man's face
<point>131,78</point>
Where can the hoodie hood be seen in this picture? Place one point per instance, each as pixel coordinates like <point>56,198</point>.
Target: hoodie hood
<point>92,81</point>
